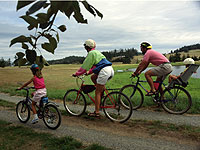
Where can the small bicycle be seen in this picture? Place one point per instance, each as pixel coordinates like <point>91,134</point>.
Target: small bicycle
<point>175,99</point>
<point>47,111</point>
<point>75,102</point>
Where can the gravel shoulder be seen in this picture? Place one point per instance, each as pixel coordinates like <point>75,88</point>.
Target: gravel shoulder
<point>114,135</point>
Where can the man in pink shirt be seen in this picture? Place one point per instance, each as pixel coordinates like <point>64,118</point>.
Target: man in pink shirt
<point>162,69</point>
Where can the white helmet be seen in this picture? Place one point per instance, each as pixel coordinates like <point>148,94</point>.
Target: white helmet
<point>90,43</point>
<point>188,61</point>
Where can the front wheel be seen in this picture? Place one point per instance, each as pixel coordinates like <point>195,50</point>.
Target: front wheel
<point>22,111</point>
<point>51,116</point>
<point>74,102</point>
<point>176,100</point>
<point>134,94</point>
<point>114,109</point>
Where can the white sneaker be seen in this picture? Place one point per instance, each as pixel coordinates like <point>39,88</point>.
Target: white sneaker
<point>35,121</point>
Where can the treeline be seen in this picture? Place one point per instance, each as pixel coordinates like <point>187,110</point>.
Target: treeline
<point>187,48</point>
<point>121,55</point>
<point>5,63</point>
<point>177,57</point>
<point>68,60</point>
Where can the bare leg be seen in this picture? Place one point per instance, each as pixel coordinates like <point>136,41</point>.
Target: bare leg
<point>33,107</point>
<point>94,78</point>
<point>148,75</point>
<point>98,92</point>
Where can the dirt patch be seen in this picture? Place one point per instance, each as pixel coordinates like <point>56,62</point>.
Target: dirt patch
<point>135,129</point>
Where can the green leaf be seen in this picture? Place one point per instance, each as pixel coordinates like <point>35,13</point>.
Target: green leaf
<point>47,47</point>
<point>79,18</point>
<point>20,39</point>
<point>35,7</point>
<point>30,20</point>
<point>24,46</point>
<point>62,28</point>
<point>22,61</point>
<point>21,4</point>
<point>98,13</point>
<point>31,55</point>
<point>53,43</point>
<point>88,7</point>
<point>20,55</point>
<point>42,18</point>
<point>51,46</point>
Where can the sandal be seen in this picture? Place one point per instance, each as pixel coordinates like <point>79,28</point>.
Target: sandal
<point>94,114</point>
<point>150,93</point>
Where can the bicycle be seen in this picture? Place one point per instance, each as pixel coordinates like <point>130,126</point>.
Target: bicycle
<point>47,111</point>
<point>75,102</point>
<point>175,99</point>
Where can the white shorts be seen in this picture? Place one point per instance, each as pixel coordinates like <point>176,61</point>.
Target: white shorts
<point>105,74</point>
<point>38,94</point>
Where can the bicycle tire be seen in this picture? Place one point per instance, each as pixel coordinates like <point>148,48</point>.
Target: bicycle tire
<point>114,110</point>
<point>51,116</point>
<point>23,111</point>
<point>73,107</point>
<point>137,98</point>
<point>180,105</point>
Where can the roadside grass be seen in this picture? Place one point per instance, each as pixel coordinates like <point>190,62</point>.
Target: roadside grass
<point>58,80</point>
<point>18,137</point>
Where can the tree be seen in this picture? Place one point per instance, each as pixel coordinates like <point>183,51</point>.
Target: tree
<point>43,24</point>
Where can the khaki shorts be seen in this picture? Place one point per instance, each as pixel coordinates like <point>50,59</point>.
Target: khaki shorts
<point>38,94</point>
<point>105,74</point>
<point>162,70</point>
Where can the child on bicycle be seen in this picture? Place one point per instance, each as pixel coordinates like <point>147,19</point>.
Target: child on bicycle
<point>96,63</point>
<point>38,82</point>
<point>187,62</point>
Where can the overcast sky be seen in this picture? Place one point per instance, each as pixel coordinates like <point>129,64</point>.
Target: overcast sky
<point>167,25</point>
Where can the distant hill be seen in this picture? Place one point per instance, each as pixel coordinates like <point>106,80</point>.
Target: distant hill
<point>132,56</point>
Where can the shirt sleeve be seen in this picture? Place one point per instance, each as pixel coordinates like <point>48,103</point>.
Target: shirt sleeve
<point>80,71</point>
<point>146,56</point>
<point>88,62</point>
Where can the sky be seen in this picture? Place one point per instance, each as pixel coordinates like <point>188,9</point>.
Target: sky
<point>167,25</point>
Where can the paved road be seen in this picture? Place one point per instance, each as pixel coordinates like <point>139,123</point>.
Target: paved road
<point>110,139</point>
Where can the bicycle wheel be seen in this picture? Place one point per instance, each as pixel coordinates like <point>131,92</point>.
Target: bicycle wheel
<point>23,112</point>
<point>51,116</point>
<point>176,100</point>
<point>134,94</point>
<point>113,108</point>
<point>74,102</point>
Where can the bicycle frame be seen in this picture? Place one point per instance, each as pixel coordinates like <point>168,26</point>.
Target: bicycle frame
<point>112,100</point>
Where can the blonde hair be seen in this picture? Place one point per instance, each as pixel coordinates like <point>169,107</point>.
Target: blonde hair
<point>37,72</point>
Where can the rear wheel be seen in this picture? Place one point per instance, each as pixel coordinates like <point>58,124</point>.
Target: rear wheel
<point>74,102</point>
<point>134,94</point>
<point>51,116</point>
<point>176,100</point>
<point>114,109</point>
<point>23,112</point>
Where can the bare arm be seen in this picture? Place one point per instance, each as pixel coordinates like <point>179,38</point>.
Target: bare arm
<point>142,66</point>
<point>25,84</point>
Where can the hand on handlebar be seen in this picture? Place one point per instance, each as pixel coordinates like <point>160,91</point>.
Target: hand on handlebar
<point>135,75</point>
<point>74,75</point>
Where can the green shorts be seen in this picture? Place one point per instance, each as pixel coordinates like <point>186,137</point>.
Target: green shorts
<point>162,70</point>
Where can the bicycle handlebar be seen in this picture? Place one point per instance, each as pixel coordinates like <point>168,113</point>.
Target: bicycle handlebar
<point>26,88</point>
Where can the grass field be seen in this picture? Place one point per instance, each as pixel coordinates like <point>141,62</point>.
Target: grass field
<point>58,80</point>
